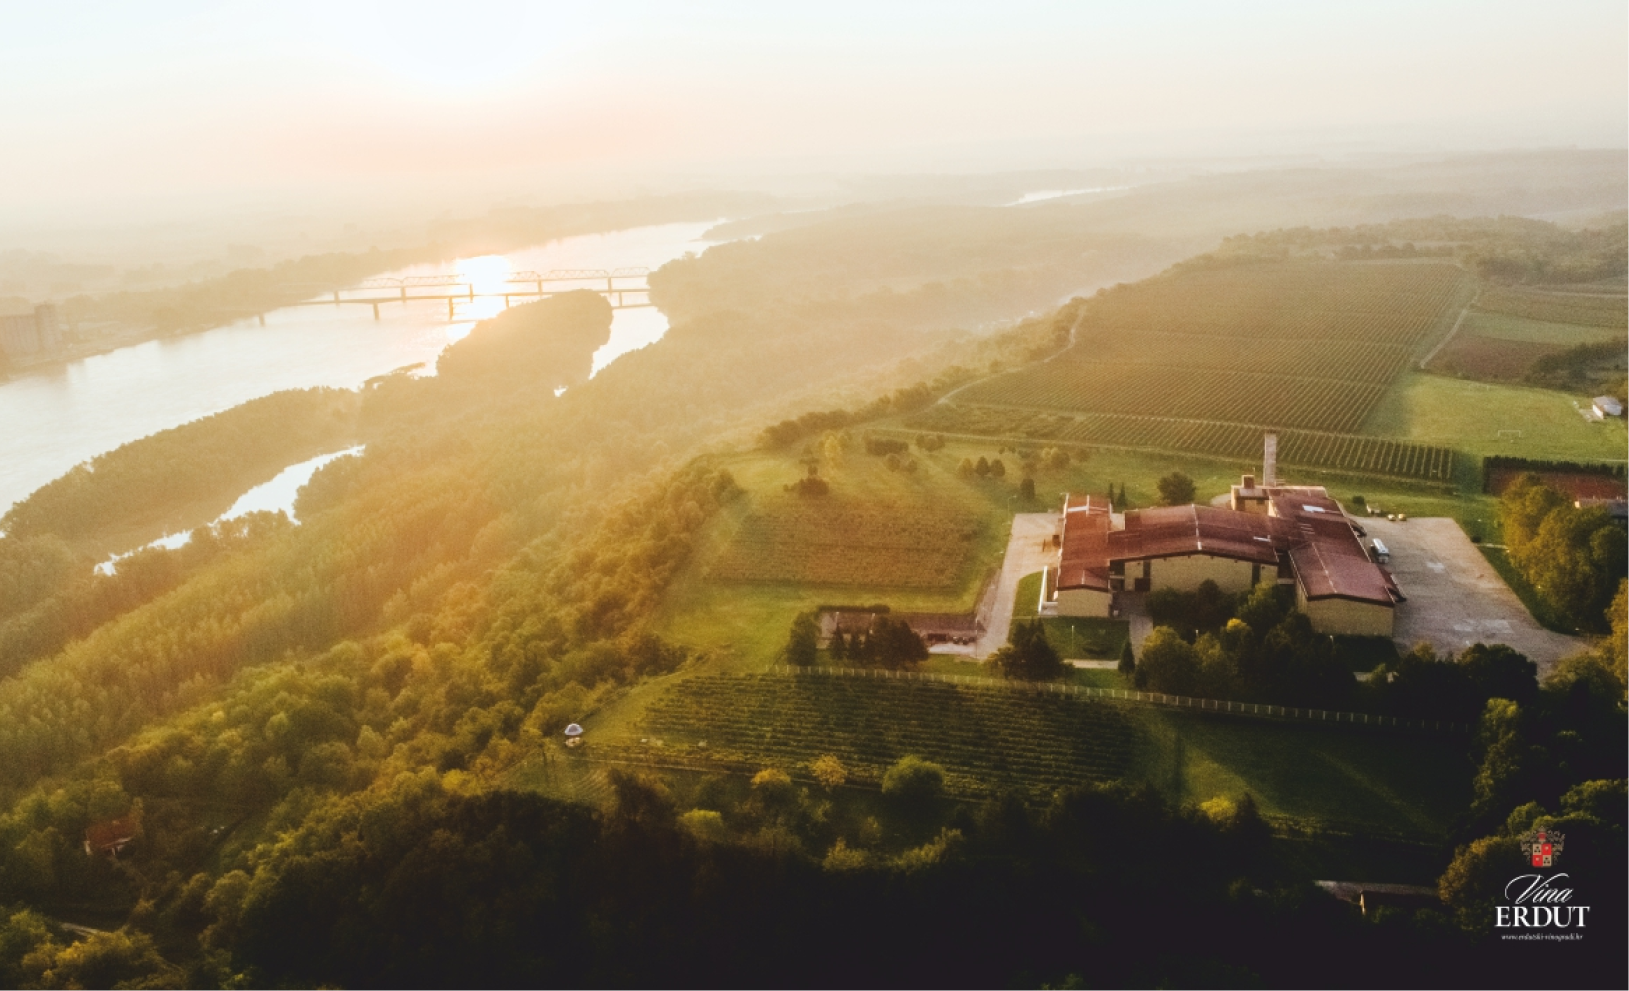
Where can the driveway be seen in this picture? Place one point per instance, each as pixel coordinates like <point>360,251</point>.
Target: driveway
<point>1026,554</point>
<point>1455,598</point>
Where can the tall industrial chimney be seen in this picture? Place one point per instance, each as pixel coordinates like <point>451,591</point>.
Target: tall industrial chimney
<point>1269,459</point>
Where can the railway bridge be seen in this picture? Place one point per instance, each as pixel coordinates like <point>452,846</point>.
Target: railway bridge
<point>624,288</point>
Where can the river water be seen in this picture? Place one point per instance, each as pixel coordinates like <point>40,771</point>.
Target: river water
<point>53,419</point>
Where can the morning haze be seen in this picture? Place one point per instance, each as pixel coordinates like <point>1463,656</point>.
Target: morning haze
<point>843,495</point>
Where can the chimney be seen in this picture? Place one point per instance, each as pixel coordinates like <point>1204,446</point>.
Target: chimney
<point>1269,460</point>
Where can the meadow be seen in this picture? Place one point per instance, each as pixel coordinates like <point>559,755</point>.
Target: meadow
<point>1483,418</point>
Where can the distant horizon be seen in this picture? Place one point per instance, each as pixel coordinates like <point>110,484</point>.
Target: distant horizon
<point>184,111</point>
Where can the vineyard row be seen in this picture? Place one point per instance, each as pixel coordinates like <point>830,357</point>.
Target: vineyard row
<point>1330,451</point>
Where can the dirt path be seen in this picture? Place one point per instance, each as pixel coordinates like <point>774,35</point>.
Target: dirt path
<point>1025,556</point>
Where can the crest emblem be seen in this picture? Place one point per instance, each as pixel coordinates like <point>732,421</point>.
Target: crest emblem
<point>1542,846</point>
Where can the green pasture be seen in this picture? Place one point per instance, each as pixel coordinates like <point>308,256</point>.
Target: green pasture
<point>1484,418</point>
<point>1513,328</point>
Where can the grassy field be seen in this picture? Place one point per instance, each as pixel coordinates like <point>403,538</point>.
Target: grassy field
<point>1469,416</point>
<point>744,624</point>
<point>1513,328</point>
<point>995,737</point>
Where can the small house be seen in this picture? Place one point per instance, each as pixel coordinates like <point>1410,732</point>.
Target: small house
<point>1607,406</point>
<point>111,837</point>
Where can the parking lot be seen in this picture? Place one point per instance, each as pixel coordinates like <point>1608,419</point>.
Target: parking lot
<point>1455,598</point>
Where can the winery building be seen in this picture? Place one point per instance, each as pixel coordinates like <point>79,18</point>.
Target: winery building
<point>1289,534</point>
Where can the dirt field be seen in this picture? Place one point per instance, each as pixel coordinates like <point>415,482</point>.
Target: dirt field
<point>1490,358</point>
<point>1576,484</point>
<point>1455,598</point>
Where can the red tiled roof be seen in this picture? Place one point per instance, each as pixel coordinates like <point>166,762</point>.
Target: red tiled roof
<point>1306,528</point>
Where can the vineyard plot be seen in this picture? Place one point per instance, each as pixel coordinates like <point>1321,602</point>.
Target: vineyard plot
<point>1587,310</point>
<point>1308,346</point>
<point>984,737</point>
<point>1329,451</point>
<point>835,544</point>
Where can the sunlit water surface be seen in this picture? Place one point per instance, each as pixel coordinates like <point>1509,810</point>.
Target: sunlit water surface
<point>56,418</point>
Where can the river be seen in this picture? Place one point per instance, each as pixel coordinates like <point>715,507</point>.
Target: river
<point>58,417</point>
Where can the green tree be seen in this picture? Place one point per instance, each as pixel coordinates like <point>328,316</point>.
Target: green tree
<point>803,644</point>
<point>1128,661</point>
<point>1176,489</point>
<point>1169,663</point>
<point>914,785</point>
<point>1026,489</point>
<point>982,469</point>
<point>998,469</point>
<point>1027,655</point>
<point>895,645</point>
<point>839,646</point>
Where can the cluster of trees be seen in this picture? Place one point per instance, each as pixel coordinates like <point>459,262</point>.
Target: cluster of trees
<point>1582,368</point>
<point>212,460</point>
<point>1206,644</point>
<point>982,468</point>
<point>1574,558</point>
<point>886,643</point>
<point>1028,655</point>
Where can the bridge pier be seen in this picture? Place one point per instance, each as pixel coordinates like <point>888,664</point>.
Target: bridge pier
<point>336,297</point>
<point>472,292</point>
<point>376,311</point>
<point>262,317</point>
<point>404,294</point>
<point>449,308</point>
<point>506,301</point>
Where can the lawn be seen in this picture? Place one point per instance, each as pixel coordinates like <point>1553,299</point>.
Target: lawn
<point>1073,637</point>
<point>1484,418</point>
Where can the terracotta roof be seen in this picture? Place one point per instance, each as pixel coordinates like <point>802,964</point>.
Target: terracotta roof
<point>110,835</point>
<point>1305,528</point>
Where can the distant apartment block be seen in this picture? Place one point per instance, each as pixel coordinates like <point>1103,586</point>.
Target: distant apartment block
<point>26,335</point>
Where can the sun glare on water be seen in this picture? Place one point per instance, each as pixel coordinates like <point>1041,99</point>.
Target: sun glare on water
<point>488,276</point>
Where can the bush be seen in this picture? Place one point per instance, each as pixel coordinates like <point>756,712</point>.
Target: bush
<point>1176,489</point>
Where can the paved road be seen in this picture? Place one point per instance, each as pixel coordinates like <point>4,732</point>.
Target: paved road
<point>1025,556</point>
<point>1455,598</point>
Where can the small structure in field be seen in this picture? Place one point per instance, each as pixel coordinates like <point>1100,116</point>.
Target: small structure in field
<point>1618,509</point>
<point>1607,406</point>
<point>110,837</point>
<point>574,735</point>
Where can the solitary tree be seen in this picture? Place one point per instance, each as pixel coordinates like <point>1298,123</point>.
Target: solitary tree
<point>983,467</point>
<point>914,784</point>
<point>803,644</point>
<point>1026,490</point>
<point>1128,661</point>
<point>1176,489</point>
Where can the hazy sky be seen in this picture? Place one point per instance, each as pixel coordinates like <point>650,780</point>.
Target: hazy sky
<point>170,105</point>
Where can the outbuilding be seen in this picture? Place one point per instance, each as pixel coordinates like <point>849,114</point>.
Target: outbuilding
<point>1608,406</point>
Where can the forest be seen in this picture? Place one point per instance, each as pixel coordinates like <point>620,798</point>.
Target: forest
<point>311,730</point>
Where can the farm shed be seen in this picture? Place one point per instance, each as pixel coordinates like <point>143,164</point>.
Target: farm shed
<point>1608,406</point>
<point>960,628</point>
